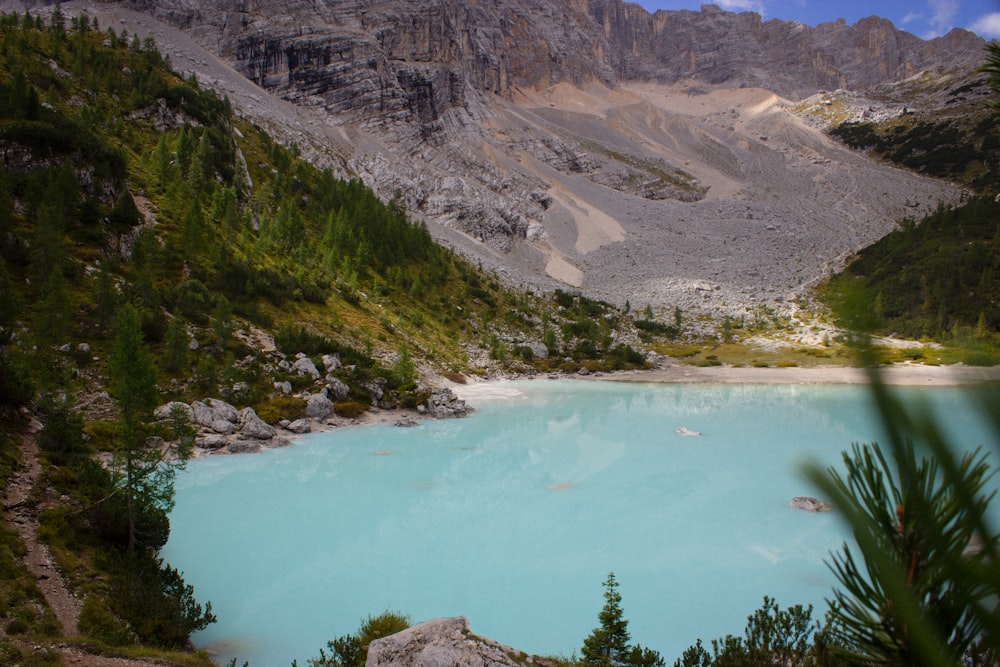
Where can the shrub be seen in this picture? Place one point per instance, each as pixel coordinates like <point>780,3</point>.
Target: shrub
<point>457,378</point>
<point>981,358</point>
<point>281,407</point>
<point>350,409</point>
<point>98,622</point>
<point>352,650</point>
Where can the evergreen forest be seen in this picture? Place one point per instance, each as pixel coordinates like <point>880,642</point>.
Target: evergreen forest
<point>936,278</point>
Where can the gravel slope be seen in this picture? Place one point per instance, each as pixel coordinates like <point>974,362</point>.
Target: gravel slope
<point>785,205</point>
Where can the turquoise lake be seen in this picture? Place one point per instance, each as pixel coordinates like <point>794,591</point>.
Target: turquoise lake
<point>514,517</point>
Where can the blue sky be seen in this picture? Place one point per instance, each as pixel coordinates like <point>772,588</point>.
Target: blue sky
<point>924,18</point>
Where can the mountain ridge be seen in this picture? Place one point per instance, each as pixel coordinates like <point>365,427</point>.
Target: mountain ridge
<point>507,124</point>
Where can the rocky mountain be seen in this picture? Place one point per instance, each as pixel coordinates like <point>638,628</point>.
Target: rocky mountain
<point>645,157</point>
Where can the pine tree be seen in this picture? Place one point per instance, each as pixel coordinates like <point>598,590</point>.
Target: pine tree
<point>177,345</point>
<point>143,473</point>
<point>608,644</point>
<point>133,385</point>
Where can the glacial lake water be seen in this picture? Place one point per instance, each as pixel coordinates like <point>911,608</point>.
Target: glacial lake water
<point>514,516</point>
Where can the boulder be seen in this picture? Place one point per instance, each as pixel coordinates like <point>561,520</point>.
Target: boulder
<point>223,426</point>
<point>443,404</point>
<point>222,410</point>
<point>444,641</point>
<point>376,388</point>
<point>211,441</point>
<point>300,426</point>
<point>252,426</point>
<point>810,504</point>
<point>284,387</point>
<point>331,362</point>
<point>318,406</point>
<point>201,414</point>
<point>244,446</point>
<point>338,389</point>
<point>304,366</point>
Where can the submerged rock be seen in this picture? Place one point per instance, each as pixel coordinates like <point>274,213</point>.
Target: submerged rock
<point>211,441</point>
<point>810,504</point>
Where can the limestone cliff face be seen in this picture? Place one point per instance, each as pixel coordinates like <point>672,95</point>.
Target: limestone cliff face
<point>416,57</point>
<point>789,58</point>
<point>594,144</point>
<point>392,60</point>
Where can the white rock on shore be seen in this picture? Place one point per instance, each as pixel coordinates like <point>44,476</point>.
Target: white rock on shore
<point>443,641</point>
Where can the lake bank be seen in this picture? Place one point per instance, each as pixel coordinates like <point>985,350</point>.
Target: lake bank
<point>899,374</point>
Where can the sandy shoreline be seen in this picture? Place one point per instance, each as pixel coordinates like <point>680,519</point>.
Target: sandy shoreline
<point>899,374</point>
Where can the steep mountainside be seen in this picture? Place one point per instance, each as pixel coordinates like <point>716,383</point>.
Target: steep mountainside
<point>587,144</point>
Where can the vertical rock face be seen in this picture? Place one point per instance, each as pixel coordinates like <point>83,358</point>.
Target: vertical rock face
<point>789,58</point>
<point>392,62</point>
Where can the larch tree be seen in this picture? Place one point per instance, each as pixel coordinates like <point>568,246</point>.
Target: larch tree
<point>142,472</point>
<point>608,644</point>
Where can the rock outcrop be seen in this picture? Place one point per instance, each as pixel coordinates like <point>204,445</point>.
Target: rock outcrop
<point>220,426</point>
<point>443,641</point>
<point>443,404</point>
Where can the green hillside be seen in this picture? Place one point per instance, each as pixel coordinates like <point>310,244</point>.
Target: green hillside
<point>936,278</point>
<point>156,246</point>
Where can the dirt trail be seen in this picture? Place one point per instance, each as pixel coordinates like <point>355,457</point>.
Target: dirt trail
<point>21,514</point>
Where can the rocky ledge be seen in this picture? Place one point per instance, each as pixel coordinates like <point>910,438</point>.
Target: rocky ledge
<point>445,641</point>
<point>224,429</point>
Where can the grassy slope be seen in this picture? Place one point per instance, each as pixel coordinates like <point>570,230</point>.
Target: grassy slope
<point>935,278</point>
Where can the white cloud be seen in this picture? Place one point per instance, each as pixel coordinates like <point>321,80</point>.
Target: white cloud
<point>987,26</point>
<point>741,5</point>
<point>911,17</point>
<point>943,14</point>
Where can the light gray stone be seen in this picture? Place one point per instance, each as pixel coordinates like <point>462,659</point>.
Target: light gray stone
<point>284,387</point>
<point>443,641</point>
<point>810,504</point>
<point>223,410</point>
<point>300,426</point>
<point>443,404</point>
<point>331,362</point>
<point>252,426</point>
<point>338,389</point>
<point>201,414</point>
<point>244,446</point>
<point>223,426</point>
<point>376,388</point>
<point>164,411</point>
<point>211,441</point>
<point>304,366</point>
<point>318,406</point>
